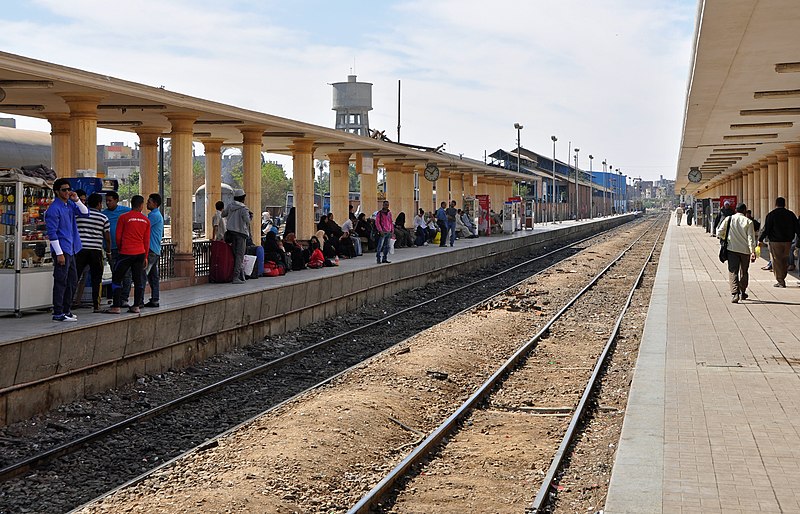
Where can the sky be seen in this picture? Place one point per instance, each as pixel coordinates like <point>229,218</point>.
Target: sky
<point>606,76</point>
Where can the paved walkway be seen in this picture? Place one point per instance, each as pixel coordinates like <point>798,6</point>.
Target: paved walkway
<point>713,419</point>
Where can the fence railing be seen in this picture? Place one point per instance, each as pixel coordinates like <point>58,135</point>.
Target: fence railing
<point>201,250</point>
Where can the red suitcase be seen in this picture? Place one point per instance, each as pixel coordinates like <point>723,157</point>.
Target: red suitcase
<point>221,262</point>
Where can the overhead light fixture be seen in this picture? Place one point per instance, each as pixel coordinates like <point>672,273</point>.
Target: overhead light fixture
<point>770,112</point>
<point>752,149</point>
<point>120,123</point>
<point>776,124</point>
<point>285,134</point>
<point>787,67</point>
<point>140,107</point>
<point>202,134</point>
<point>218,122</point>
<point>751,136</point>
<point>21,107</point>
<point>26,84</point>
<point>780,93</point>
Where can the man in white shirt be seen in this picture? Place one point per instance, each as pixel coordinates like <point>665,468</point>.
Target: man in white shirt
<point>737,232</point>
<point>347,227</point>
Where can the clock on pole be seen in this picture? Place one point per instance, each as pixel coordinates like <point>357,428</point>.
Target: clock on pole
<point>432,172</point>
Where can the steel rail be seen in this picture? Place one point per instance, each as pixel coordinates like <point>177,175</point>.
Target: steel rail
<point>373,497</point>
<point>26,465</point>
<point>542,496</point>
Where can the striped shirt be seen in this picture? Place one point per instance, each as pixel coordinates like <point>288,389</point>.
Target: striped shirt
<point>91,229</point>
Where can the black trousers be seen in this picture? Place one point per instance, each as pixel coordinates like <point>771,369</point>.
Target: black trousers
<point>93,259</point>
<point>124,264</point>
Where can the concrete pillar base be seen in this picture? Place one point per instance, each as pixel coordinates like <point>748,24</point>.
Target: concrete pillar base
<point>184,265</point>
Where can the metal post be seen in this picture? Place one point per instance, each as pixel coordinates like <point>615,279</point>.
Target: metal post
<point>577,195</point>
<point>553,194</point>
<point>161,174</point>
<point>591,188</point>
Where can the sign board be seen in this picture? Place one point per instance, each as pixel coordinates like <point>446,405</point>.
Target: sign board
<point>731,199</point>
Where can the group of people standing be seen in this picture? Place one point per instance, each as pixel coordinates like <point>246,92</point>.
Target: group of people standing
<point>738,232</point>
<point>82,236</point>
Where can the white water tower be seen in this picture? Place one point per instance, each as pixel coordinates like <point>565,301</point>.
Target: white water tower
<point>352,102</point>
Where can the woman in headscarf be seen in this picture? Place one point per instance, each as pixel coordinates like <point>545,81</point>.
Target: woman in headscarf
<point>299,260</point>
<point>272,249</point>
<point>322,224</point>
<point>329,250</point>
<point>402,236</point>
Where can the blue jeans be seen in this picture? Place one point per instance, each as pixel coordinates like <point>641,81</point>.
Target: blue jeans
<point>451,229</point>
<point>383,245</point>
<point>152,277</point>
<point>65,279</point>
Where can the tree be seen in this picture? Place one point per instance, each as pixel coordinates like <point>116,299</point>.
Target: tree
<point>198,174</point>
<point>129,186</point>
<point>274,184</point>
<point>354,183</point>
<point>322,182</point>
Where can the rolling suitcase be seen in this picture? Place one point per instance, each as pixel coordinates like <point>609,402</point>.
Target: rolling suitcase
<point>221,262</point>
<point>258,269</point>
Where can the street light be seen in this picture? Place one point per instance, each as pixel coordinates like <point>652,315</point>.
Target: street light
<point>605,187</point>
<point>553,195</point>
<point>619,192</point>
<point>519,168</point>
<point>591,188</point>
<point>577,195</point>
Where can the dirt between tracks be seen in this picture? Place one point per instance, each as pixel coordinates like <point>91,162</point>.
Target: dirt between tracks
<point>322,452</point>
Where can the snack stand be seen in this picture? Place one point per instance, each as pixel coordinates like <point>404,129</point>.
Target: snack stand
<point>26,266</point>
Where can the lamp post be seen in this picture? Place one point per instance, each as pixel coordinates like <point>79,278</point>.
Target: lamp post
<point>519,168</point>
<point>619,193</point>
<point>605,187</point>
<point>553,194</point>
<point>591,188</point>
<point>577,195</point>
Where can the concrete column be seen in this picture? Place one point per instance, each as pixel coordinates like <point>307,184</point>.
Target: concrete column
<point>443,188</point>
<point>793,182</point>
<point>407,192</point>
<point>60,143</point>
<point>181,209</point>
<point>369,185</point>
<point>425,193</point>
<point>148,160</point>
<point>764,177</point>
<point>783,174</point>
<point>213,151</point>
<point>303,181</point>
<point>772,171</point>
<point>82,131</point>
<point>738,187</point>
<point>755,205</point>
<point>340,185</point>
<point>456,192</point>
<point>394,186</point>
<point>746,186</point>
<point>252,140</point>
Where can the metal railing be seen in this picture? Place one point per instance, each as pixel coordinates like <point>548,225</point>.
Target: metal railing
<point>201,250</point>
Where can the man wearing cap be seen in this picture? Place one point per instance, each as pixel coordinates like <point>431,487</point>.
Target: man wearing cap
<point>237,231</point>
<point>780,227</point>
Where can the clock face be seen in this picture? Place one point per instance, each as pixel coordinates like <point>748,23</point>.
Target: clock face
<point>695,175</point>
<point>431,172</point>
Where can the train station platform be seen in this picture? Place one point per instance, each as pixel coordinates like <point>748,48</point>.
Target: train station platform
<point>45,364</point>
<point>713,418</point>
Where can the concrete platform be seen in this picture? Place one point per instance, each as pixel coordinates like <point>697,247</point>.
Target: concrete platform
<point>44,364</point>
<point>713,418</point>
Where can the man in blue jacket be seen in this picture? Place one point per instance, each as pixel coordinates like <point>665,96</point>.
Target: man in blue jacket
<point>65,243</point>
<point>156,234</point>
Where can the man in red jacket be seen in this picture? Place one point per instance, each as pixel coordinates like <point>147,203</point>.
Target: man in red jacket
<point>133,244</point>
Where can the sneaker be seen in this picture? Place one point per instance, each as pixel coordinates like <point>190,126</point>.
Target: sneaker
<point>735,298</point>
<point>151,303</point>
<point>63,318</point>
<point>384,261</point>
<point>71,316</point>
<point>778,285</point>
<point>745,296</point>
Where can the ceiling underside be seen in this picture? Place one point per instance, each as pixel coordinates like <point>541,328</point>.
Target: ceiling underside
<point>743,98</point>
<point>128,106</point>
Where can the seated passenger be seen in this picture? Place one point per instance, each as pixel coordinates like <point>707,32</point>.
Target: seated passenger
<point>292,248</point>
<point>349,229</point>
<point>463,230</point>
<point>401,234</point>
<point>332,229</point>
<point>313,244</point>
<point>322,224</point>
<point>273,251</point>
<point>420,229</point>
<point>329,250</point>
<point>433,227</point>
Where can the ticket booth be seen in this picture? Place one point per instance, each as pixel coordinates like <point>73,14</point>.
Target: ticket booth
<point>509,218</point>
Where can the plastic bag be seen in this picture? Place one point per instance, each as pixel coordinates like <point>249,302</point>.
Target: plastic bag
<point>391,246</point>
<point>437,238</point>
<point>248,264</point>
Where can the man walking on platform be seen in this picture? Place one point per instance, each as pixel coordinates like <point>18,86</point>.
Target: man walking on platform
<point>237,231</point>
<point>151,275</point>
<point>780,227</point>
<point>385,227</point>
<point>738,231</point>
<point>65,243</point>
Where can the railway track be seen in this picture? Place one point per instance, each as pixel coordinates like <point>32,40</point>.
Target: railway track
<point>135,443</point>
<point>513,408</point>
